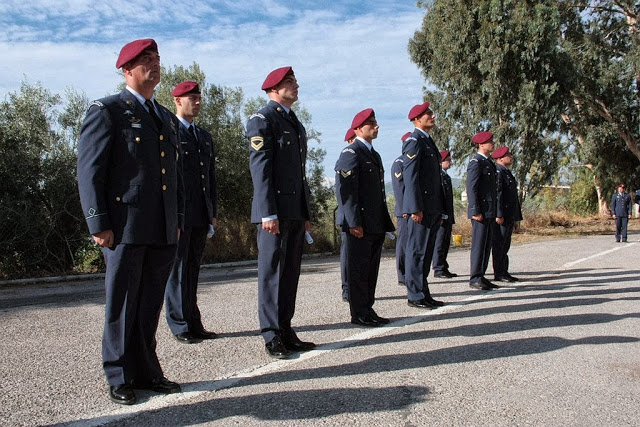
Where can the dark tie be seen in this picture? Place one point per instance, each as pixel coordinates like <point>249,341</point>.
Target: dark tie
<point>192,131</point>
<point>153,113</point>
<point>293,117</point>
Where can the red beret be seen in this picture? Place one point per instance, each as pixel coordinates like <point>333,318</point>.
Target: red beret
<point>500,152</point>
<point>444,154</point>
<point>417,110</point>
<point>481,137</point>
<point>405,136</point>
<point>620,185</point>
<point>350,135</point>
<point>276,77</point>
<point>131,50</point>
<point>361,117</point>
<point>185,88</point>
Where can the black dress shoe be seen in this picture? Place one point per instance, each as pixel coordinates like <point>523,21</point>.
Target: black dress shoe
<point>434,302</point>
<point>446,274</point>
<point>481,286</point>
<point>276,349</point>
<point>160,385</point>
<point>204,335</point>
<point>122,394</point>
<point>377,318</point>
<point>186,338</point>
<point>295,344</point>
<point>366,321</point>
<point>490,284</point>
<point>421,303</point>
<point>512,278</point>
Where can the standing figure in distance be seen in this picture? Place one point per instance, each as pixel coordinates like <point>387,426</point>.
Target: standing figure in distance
<point>349,137</point>
<point>280,208</point>
<point>508,212</point>
<point>481,196</point>
<point>621,211</point>
<point>397,182</point>
<point>130,183</point>
<point>362,212</point>
<point>199,172</point>
<point>423,202</point>
<point>443,238</point>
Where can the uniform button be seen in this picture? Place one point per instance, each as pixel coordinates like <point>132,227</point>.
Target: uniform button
<point>198,151</point>
<point>164,188</point>
<point>202,176</point>
<point>201,164</point>
<point>161,137</point>
<point>162,154</point>
<point>301,150</point>
<point>288,142</point>
<point>186,152</point>
<point>164,171</point>
<point>137,139</point>
<point>204,189</point>
<point>278,191</point>
<point>304,178</point>
<point>117,199</point>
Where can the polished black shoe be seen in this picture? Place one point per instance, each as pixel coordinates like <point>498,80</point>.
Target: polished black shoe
<point>186,338</point>
<point>512,278</point>
<point>490,284</point>
<point>481,286</point>
<point>160,385</point>
<point>122,394</point>
<point>421,303</point>
<point>366,321</point>
<point>378,319</point>
<point>446,274</point>
<point>295,344</point>
<point>434,302</point>
<point>276,349</point>
<point>204,335</point>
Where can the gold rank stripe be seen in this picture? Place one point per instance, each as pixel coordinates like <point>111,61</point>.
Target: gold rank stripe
<point>412,157</point>
<point>345,174</point>
<point>398,174</point>
<point>257,142</point>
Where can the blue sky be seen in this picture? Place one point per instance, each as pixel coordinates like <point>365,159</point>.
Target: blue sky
<point>347,55</point>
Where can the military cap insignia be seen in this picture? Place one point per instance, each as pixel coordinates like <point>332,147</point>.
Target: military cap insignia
<point>345,174</point>
<point>411,157</point>
<point>398,174</point>
<point>257,142</point>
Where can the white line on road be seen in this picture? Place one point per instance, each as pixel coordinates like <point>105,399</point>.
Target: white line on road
<point>578,261</point>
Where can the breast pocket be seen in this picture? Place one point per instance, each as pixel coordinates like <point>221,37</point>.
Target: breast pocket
<point>133,139</point>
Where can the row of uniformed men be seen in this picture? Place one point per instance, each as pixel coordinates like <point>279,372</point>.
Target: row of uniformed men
<point>424,212</point>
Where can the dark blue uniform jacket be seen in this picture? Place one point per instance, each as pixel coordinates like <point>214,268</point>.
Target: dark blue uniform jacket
<point>481,187</point>
<point>508,205</point>
<point>397,182</point>
<point>422,186</point>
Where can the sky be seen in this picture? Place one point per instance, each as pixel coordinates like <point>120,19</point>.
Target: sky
<point>347,55</point>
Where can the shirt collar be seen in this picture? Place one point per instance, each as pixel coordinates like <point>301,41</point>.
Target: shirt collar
<point>483,155</point>
<point>366,143</point>
<point>424,133</point>
<point>185,123</point>
<point>139,97</point>
<point>283,107</point>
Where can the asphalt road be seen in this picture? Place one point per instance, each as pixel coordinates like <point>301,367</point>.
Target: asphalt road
<point>559,348</point>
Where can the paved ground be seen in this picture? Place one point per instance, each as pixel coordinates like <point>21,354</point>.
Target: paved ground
<point>559,348</point>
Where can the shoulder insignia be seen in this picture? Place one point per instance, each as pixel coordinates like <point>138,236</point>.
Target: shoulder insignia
<point>126,113</point>
<point>260,116</point>
<point>96,103</point>
<point>345,174</point>
<point>257,142</point>
<point>473,160</point>
<point>398,160</point>
<point>398,174</point>
<point>410,138</point>
<point>348,150</point>
<point>412,157</point>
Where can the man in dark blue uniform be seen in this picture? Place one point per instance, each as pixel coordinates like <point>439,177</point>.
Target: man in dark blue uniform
<point>130,183</point>
<point>423,203</point>
<point>280,208</point>
<point>363,214</point>
<point>199,172</point>
<point>397,182</point>
<point>621,211</point>
<point>349,137</point>
<point>481,195</point>
<point>508,212</point>
<point>443,238</point>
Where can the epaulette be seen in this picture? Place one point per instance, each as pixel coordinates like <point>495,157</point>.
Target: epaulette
<point>257,115</point>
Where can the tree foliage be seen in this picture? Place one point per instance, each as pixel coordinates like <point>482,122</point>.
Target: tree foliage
<point>495,64</point>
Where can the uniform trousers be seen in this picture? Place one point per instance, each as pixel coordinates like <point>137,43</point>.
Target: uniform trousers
<point>421,240</point>
<point>500,244</point>
<point>621,228</point>
<point>279,258</point>
<point>134,285</point>
<point>343,264</point>
<point>181,304</point>
<point>480,248</point>
<point>363,264</point>
<point>401,247</point>
<point>443,243</point>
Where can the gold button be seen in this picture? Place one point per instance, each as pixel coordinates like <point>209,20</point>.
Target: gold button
<point>201,164</point>
<point>278,191</point>
<point>186,152</point>
<point>202,176</point>
<point>117,199</point>
<point>161,137</point>
<point>162,154</point>
<point>288,142</point>
<point>164,171</point>
<point>164,187</point>
<point>137,139</point>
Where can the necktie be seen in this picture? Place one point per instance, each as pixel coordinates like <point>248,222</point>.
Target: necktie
<point>192,131</point>
<point>153,113</point>
<point>293,116</point>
